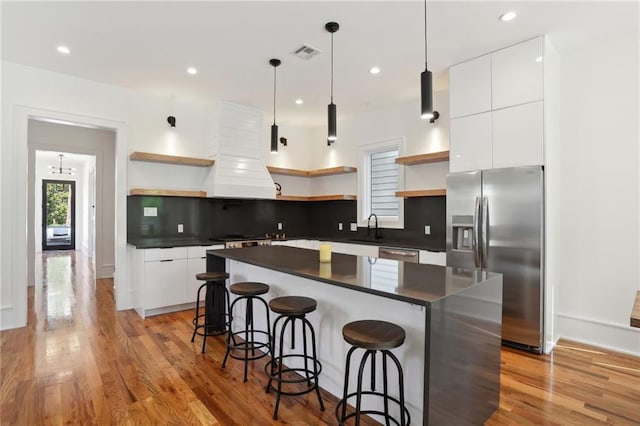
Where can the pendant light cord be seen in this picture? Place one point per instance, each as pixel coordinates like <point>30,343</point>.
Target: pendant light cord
<point>425,34</point>
<point>274,95</point>
<point>331,67</point>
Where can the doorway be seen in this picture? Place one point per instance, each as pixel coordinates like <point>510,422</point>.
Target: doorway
<point>58,215</point>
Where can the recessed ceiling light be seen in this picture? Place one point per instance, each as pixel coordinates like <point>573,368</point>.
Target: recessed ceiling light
<point>539,59</point>
<point>299,101</point>
<point>374,70</point>
<point>64,50</point>
<point>508,16</point>
<point>192,70</point>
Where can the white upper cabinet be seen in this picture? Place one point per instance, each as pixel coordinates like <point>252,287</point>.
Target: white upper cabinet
<point>517,74</point>
<point>518,135</point>
<point>508,131</point>
<point>470,87</point>
<point>470,143</point>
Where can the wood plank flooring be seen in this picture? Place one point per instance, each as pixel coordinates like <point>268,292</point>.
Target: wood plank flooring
<point>81,362</point>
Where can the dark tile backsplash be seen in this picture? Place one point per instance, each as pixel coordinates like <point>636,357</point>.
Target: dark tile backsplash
<point>214,217</point>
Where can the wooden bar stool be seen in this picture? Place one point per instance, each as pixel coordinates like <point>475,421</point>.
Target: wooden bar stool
<point>291,309</point>
<point>373,336</point>
<point>247,292</point>
<point>212,320</point>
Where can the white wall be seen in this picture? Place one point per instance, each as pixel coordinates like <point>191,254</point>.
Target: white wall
<point>599,221</point>
<point>140,123</point>
<point>393,121</point>
<point>100,143</point>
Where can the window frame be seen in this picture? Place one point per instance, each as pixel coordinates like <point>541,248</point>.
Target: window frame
<point>364,185</point>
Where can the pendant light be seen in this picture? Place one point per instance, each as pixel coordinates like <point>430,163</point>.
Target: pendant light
<point>426,85</point>
<point>274,128</point>
<point>332,27</point>
<point>61,170</point>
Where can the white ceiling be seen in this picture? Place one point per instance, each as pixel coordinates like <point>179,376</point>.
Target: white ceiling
<point>147,46</point>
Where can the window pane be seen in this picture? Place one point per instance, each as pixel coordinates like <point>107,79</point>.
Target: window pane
<point>384,184</point>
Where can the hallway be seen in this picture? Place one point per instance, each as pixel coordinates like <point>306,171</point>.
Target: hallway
<point>81,362</point>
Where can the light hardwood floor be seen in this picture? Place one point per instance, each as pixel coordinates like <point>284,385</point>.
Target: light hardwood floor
<point>81,362</point>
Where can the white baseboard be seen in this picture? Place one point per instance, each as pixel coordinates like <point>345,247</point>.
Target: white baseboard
<point>106,271</point>
<point>6,318</point>
<point>606,335</point>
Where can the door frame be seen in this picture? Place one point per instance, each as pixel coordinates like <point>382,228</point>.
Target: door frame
<point>72,243</point>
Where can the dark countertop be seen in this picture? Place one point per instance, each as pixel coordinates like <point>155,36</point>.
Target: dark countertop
<point>145,243</point>
<point>166,242</point>
<point>420,284</point>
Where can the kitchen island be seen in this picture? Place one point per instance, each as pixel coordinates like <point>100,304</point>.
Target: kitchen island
<point>452,318</point>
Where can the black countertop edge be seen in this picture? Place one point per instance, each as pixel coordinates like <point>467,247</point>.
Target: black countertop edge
<point>158,242</point>
<point>147,243</point>
<point>375,292</point>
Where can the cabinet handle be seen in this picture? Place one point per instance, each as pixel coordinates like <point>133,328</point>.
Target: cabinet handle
<point>167,260</point>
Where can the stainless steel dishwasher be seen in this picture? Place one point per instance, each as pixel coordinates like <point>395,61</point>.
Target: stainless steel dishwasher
<point>406,255</point>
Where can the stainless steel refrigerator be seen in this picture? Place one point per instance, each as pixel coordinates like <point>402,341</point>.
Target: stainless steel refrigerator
<point>495,221</point>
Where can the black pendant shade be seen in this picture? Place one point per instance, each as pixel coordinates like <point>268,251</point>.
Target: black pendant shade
<point>274,138</point>
<point>331,114</point>
<point>274,128</point>
<point>332,133</point>
<point>426,95</point>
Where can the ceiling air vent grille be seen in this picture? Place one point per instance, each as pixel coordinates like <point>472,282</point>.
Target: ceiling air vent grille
<point>306,52</point>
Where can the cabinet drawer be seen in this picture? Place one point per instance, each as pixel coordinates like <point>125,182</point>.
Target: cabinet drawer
<point>201,251</point>
<point>165,253</point>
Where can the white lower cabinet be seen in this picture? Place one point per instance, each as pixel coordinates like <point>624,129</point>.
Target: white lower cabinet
<point>164,280</point>
<point>164,283</point>
<point>433,257</point>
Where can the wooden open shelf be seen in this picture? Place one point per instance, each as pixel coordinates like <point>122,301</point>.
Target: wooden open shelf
<point>170,159</point>
<point>288,172</point>
<point>635,313</point>
<point>316,197</point>
<point>422,193</point>
<point>434,157</point>
<point>167,192</point>
<point>312,173</point>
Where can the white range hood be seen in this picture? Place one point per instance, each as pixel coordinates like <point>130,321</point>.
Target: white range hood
<point>235,143</point>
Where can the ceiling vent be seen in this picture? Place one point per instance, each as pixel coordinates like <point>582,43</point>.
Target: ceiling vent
<point>306,52</point>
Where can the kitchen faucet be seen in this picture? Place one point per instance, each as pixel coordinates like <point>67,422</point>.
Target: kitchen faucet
<point>376,235</point>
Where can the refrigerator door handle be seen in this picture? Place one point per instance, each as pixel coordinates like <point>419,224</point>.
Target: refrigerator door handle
<point>475,243</point>
<point>485,230</point>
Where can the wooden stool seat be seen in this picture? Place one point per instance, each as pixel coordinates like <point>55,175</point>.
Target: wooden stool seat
<point>373,334</point>
<point>212,276</point>
<point>249,288</point>
<point>293,305</point>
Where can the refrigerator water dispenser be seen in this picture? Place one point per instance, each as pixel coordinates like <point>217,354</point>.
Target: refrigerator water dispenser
<point>462,228</point>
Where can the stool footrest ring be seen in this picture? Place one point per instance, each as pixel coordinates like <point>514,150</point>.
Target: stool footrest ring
<point>377,412</point>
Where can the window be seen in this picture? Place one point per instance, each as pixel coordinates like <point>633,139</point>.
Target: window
<point>379,180</point>
<point>383,175</point>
